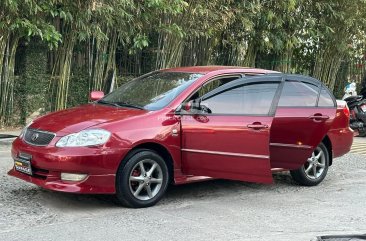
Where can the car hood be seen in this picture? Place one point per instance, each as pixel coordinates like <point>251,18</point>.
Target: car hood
<point>78,118</point>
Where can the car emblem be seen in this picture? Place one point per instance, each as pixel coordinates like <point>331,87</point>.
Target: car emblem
<point>34,136</point>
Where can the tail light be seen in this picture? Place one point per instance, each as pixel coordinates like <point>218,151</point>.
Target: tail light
<point>346,111</point>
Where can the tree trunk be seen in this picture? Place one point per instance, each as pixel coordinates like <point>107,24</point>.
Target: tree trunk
<point>284,63</point>
<point>170,51</point>
<point>196,51</point>
<point>61,72</point>
<point>327,64</point>
<point>251,54</point>
<point>8,47</point>
<point>104,62</point>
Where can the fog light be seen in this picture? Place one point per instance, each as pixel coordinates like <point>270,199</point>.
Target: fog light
<point>72,177</point>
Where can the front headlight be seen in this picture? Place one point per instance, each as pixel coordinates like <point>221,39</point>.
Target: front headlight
<point>91,137</point>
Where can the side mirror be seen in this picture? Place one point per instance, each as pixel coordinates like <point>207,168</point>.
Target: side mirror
<point>96,95</point>
<point>190,106</point>
<point>187,106</point>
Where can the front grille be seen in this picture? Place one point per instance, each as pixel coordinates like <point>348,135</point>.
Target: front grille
<point>38,137</point>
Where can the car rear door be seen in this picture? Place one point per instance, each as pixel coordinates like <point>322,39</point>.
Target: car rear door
<point>305,112</point>
<point>231,142</point>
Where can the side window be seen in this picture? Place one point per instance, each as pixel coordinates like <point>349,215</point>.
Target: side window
<point>250,99</point>
<point>296,93</point>
<point>325,99</point>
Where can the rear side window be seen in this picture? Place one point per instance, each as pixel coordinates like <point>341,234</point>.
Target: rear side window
<point>251,99</point>
<point>296,93</point>
<point>325,98</point>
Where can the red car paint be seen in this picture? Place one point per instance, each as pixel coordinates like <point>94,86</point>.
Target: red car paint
<point>200,146</point>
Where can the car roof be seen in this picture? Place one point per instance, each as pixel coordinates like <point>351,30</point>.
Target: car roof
<point>212,68</point>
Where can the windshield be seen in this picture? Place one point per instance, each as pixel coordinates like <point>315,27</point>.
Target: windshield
<point>151,92</point>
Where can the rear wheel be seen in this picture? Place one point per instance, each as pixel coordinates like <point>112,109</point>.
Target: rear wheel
<point>143,180</point>
<point>315,169</point>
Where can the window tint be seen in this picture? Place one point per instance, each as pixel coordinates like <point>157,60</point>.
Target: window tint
<point>210,86</point>
<point>325,99</point>
<point>152,92</point>
<point>251,99</point>
<point>298,94</point>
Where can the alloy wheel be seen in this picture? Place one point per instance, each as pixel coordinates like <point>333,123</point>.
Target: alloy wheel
<point>145,179</point>
<point>315,165</point>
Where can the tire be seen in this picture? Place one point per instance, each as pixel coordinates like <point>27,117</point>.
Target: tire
<point>306,175</point>
<point>142,179</point>
<point>362,133</point>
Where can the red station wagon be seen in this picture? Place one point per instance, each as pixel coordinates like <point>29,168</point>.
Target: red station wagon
<point>183,125</point>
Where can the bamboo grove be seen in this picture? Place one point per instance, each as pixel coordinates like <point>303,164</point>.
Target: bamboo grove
<point>107,39</point>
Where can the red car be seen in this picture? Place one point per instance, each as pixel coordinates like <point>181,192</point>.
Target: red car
<point>183,125</point>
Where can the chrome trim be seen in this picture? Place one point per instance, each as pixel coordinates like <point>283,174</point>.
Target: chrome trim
<point>291,145</point>
<point>38,130</point>
<point>278,169</point>
<point>226,153</point>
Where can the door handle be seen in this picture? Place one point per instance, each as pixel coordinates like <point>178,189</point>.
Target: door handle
<point>257,126</point>
<point>318,117</point>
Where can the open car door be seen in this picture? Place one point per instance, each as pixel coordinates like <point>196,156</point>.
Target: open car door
<point>305,113</point>
<point>228,135</point>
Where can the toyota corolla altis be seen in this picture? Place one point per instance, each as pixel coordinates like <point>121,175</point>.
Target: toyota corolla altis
<point>184,125</point>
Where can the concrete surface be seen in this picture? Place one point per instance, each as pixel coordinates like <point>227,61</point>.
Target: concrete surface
<point>359,145</point>
<point>214,210</point>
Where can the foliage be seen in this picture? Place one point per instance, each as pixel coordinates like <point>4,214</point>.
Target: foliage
<point>20,19</point>
<point>79,89</point>
<point>28,19</point>
<point>33,79</point>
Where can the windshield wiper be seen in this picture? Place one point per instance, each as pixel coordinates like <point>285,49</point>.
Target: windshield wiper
<point>130,105</point>
<point>121,104</point>
<point>108,103</point>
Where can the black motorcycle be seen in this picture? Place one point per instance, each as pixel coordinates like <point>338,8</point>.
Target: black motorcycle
<point>363,91</point>
<point>357,107</point>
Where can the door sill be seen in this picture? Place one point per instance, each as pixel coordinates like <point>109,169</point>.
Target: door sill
<point>191,179</point>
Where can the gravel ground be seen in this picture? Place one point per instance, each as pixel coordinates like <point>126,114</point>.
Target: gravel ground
<point>213,210</point>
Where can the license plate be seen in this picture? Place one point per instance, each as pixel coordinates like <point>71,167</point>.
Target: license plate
<point>363,108</point>
<point>23,163</point>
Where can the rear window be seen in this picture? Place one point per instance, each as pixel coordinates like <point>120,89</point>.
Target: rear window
<point>296,93</point>
<point>325,98</point>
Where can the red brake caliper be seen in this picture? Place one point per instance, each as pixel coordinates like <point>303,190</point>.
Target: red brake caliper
<point>135,173</point>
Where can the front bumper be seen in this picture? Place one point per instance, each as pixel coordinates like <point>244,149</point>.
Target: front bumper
<point>99,163</point>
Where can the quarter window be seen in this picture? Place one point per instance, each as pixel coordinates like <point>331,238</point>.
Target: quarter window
<point>325,99</point>
<point>250,99</point>
<point>296,93</point>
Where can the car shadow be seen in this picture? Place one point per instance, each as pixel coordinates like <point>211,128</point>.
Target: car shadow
<point>180,193</point>
<point>79,201</point>
<point>218,187</point>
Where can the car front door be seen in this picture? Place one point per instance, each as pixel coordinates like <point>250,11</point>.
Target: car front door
<point>304,115</point>
<point>228,136</point>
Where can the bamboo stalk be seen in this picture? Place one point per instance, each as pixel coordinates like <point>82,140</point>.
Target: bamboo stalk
<point>60,78</point>
<point>7,78</point>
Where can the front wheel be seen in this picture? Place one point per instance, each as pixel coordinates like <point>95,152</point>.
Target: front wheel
<point>143,180</point>
<point>315,168</point>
